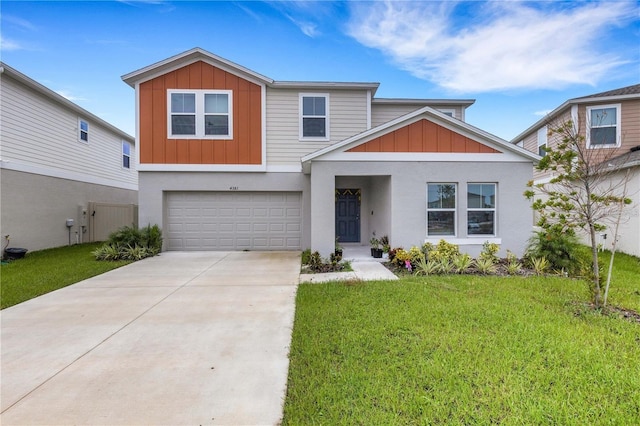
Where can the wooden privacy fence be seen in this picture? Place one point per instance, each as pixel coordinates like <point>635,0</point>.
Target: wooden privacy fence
<point>105,218</point>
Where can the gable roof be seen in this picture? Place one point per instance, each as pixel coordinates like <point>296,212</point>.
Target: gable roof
<point>429,114</point>
<point>185,58</point>
<point>626,160</point>
<point>198,54</point>
<point>628,92</point>
<point>45,91</point>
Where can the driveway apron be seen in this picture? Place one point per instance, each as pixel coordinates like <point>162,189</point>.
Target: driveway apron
<point>182,338</point>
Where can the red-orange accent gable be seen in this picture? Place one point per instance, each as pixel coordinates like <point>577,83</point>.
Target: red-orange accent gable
<point>244,148</point>
<point>423,136</point>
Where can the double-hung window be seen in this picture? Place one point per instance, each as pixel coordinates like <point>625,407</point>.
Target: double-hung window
<point>542,141</point>
<point>126,155</point>
<point>83,130</point>
<point>314,116</point>
<point>441,209</point>
<point>200,114</point>
<point>603,123</point>
<point>481,209</point>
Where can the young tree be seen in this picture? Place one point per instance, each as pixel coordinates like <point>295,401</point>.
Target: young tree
<point>585,191</point>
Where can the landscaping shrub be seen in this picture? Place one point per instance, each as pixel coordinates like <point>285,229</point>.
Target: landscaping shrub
<point>131,243</point>
<point>442,250</point>
<point>561,250</point>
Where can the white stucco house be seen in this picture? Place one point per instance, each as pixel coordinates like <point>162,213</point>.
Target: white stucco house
<point>230,159</point>
<point>56,161</point>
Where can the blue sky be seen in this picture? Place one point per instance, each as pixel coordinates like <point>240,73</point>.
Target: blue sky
<point>517,59</point>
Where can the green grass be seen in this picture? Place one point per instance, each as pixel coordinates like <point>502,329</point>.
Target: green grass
<point>43,271</point>
<point>465,350</point>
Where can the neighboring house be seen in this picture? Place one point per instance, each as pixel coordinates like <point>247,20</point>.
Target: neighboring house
<point>59,162</point>
<point>233,160</point>
<point>610,124</point>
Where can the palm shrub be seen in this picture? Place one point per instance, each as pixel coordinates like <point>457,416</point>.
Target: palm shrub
<point>514,266</point>
<point>131,243</point>
<point>485,265</point>
<point>540,265</point>
<point>425,267</point>
<point>561,250</point>
<point>461,263</point>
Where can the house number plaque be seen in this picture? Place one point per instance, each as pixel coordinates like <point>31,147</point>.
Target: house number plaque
<point>233,188</point>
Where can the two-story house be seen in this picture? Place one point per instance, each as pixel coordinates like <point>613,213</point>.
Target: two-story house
<point>230,159</point>
<point>67,176</point>
<point>610,124</point>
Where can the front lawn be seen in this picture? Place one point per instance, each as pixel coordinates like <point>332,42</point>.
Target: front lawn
<point>46,270</point>
<point>465,350</point>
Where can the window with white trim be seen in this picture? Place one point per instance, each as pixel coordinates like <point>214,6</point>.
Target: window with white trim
<point>448,111</point>
<point>83,131</point>
<point>314,116</point>
<point>481,209</point>
<point>542,141</point>
<point>441,209</point>
<point>200,114</point>
<point>603,123</point>
<point>126,155</point>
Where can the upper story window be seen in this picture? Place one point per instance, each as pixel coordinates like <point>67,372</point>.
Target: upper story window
<point>481,209</point>
<point>542,141</point>
<point>126,155</point>
<point>83,130</point>
<point>448,111</point>
<point>441,209</point>
<point>603,126</point>
<point>200,114</point>
<point>314,116</point>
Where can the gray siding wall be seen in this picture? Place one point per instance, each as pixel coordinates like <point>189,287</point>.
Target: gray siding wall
<point>347,115</point>
<point>401,200</point>
<point>35,208</point>
<point>153,186</point>
<point>41,133</point>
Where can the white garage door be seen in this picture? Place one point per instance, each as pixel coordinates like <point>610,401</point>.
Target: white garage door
<point>234,220</point>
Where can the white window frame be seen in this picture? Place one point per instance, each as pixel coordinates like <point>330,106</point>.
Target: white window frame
<point>125,155</point>
<point>451,112</point>
<point>81,131</point>
<point>301,97</point>
<point>618,126</point>
<point>543,139</point>
<point>200,113</point>
<point>453,209</point>
<point>493,209</point>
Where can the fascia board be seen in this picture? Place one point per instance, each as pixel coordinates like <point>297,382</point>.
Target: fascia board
<point>187,58</point>
<point>325,85</point>
<point>415,101</point>
<point>43,90</point>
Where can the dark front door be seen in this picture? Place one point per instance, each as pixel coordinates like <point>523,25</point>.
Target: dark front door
<point>348,215</point>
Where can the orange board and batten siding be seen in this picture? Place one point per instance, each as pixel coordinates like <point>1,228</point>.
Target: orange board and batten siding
<point>423,136</point>
<point>157,148</point>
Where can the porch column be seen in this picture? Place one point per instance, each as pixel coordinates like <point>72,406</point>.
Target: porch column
<point>322,209</point>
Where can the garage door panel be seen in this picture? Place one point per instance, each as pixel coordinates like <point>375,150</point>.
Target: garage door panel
<point>234,220</point>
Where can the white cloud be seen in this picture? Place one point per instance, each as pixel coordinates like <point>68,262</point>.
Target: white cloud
<point>543,113</point>
<point>8,45</point>
<point>308,28</point>
<point>69,96</point>
<point>502,46</point>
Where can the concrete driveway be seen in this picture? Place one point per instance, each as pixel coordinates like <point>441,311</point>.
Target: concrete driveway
<point>182,338</point>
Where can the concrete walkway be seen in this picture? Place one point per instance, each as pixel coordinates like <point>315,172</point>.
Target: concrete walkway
<point>181,338</point>
<point>365,268</point>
